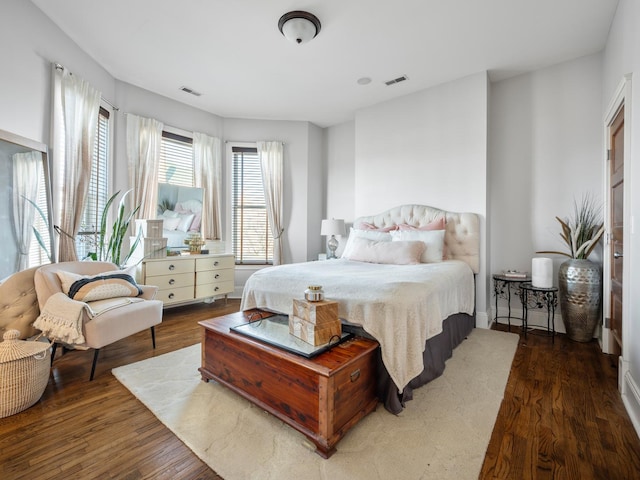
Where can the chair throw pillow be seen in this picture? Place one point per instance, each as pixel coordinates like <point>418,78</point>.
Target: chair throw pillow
<point>98,287</point>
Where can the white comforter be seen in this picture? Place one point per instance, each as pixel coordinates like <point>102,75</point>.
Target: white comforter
<point>400,305</point>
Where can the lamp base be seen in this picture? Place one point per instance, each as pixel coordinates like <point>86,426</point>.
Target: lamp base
<point>332,245</point>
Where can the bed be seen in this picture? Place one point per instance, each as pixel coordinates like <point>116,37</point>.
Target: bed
<point>406,279</point>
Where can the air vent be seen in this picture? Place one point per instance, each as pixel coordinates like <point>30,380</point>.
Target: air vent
<point>396,80</point>
<point>191,91</point>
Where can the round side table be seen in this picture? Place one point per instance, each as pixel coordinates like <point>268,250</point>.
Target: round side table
<point>539,297</point>
<point>502,285</point>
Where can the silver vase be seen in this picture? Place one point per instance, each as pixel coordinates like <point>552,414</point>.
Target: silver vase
<point>580,286</point>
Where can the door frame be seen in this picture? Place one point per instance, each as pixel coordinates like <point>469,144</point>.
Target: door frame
<point>622,96</point>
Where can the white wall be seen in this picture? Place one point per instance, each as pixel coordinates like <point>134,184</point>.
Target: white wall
<point>29,44</point>
<point>545,150</point>
<point>621,57</point>
<point>427,148</point>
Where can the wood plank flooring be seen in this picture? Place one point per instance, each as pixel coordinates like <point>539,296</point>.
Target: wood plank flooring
<point>562,416</point>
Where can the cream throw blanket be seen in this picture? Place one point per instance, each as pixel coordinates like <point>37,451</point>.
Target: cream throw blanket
<point>401,306</point>
<point>62,317</point>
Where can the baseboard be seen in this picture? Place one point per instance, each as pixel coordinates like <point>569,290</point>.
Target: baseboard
<point>537,318</point>
<point>482,320</point>
<point>630,393</point>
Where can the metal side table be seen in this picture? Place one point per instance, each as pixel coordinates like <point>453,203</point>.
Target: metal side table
<point>539,297</point>
<point>502,285</point>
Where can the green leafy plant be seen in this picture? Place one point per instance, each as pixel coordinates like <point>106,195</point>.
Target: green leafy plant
<point>109,246</point>
<point>36,232</point>
<point>582,232</point>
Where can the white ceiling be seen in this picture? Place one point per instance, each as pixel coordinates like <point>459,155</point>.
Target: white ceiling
<point>233,53</point>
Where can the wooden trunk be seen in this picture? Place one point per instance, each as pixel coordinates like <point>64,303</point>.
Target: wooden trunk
<point>321,397</point>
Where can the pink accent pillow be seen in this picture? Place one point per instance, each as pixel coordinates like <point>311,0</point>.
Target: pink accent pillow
<point>438,224</point>
<point>396,253</point>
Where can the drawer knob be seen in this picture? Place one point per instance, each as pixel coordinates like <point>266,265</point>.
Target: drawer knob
<point>216,289</point>
<point>172,281</point>
<point>171,295</point>
<point>215,264</point>
<point>355,375</point>
<point>172,267</point>
<point>217,275</point>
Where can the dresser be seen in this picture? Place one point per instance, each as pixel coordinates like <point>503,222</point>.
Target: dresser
<point>186,278</point>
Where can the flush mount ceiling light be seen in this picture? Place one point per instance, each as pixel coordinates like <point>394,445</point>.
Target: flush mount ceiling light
<point>298,26</point>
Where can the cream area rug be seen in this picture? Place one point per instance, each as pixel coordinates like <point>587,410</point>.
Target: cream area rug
<point>443,432</point>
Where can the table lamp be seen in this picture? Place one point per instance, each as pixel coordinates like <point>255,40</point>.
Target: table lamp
<point>332,228</point>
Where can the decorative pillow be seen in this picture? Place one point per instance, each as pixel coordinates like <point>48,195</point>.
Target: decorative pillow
<point>169,214</point>
<point>397,253</point>
<point>438,224</point>
<point>368,234</point>
<point>371,226</point>
<point>105,285</point>
<point>433,240</point>
<point>197,220</point>
<point>186,219</point>
<point>171,223</point>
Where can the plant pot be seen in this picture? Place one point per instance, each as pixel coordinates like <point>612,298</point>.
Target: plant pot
<point>580,288</point>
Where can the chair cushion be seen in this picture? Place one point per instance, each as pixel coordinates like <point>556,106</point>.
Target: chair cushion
<point>98,287</point>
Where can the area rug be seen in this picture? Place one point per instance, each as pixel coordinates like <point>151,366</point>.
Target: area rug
<point>443,432</point>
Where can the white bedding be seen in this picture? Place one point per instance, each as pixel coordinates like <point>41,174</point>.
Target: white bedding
<point>400,305</point>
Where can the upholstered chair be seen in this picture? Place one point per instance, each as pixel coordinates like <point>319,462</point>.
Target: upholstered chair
<point>19,304</point>
<point>122,317</point>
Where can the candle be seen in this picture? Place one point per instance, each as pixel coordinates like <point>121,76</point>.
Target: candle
<point>542,272</point>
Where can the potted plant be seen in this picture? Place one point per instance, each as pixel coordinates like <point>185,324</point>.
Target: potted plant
<point>580,279</point>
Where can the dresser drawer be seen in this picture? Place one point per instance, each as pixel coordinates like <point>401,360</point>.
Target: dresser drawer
<point>171,281</point>
<point>213,289</point>
<point>212,276</point>
<point>178,294</point>
<point>212,263</point>
<point>166,267</point>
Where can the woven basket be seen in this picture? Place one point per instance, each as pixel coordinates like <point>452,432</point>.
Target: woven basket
<point>24,372</point>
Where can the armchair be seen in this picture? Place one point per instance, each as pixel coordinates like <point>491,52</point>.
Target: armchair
<point>118,321</point>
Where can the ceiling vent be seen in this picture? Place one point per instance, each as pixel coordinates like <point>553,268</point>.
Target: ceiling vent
<point>191,91</point>
<point>396,80</point>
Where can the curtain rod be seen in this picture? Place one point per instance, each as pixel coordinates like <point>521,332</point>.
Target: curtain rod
<point>61,67</point>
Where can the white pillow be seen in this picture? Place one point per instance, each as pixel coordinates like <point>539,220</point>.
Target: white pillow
<point>186,219</point>
<point>396,253</point>
<point>169,214</point>
<point>171,223</point>
<point>433,240</point>
<point>368,234</point>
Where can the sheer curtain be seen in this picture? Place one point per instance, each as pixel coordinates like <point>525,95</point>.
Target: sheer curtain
<point>207,161</point>
<point>272,165</point>
<point>27,168</point>
<point>144,136</point>
<point>75,123</point>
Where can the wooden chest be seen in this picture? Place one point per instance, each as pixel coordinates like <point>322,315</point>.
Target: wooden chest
<point>322,397</point>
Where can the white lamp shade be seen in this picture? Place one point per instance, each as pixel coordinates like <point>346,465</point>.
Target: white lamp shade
<point>332,227</point>
<point>299,30</point>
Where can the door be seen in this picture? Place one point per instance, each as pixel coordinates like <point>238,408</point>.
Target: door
<point>616,195</point>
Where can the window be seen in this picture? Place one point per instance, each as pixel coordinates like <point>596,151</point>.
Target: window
<point>98,192</point>
<point>250,236</point>
<point>176,160</point>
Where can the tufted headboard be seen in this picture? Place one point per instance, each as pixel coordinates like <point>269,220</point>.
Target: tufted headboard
<point>19,304</point>
<point>462,232</point>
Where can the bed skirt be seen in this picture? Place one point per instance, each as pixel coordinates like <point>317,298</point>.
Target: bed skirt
<point>437,350</point>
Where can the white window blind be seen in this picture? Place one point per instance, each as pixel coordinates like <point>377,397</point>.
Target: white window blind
<point>251,236</point>
<point>98,193</point>
<point>176,160</point>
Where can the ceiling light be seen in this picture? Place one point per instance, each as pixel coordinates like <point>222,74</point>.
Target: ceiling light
<point>298,26</point>
<point>364,81</point>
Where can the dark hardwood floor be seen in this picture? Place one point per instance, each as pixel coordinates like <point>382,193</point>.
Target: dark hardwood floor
<point>562,416</point>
